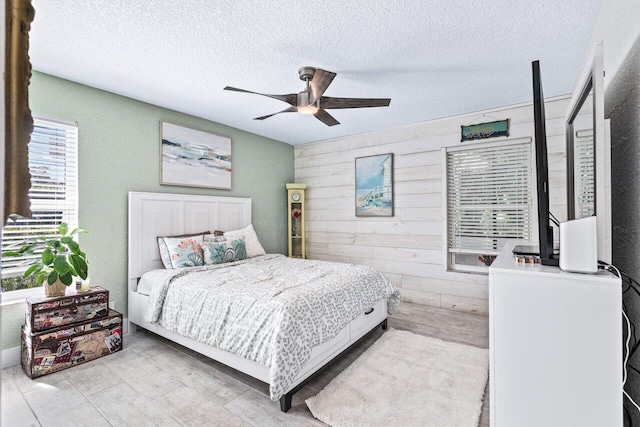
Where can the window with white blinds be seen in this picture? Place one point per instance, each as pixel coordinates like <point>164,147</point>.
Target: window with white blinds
<point>488,201</point>
<point>53,164</point>
<point>584,174</point>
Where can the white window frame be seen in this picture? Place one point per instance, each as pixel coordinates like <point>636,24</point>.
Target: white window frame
<point>71,153</point>
<point>448,258</point>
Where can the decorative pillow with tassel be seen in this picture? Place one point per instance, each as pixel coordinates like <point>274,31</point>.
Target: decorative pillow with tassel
<point>221,252</point>
<point>254,248</point>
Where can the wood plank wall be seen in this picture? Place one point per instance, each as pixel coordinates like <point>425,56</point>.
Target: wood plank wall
<point>409,247</point>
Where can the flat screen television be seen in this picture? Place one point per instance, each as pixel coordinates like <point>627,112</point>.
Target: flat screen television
<point>545,232</point>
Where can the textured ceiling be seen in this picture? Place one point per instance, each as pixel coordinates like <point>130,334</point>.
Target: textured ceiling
<point>433,59</point>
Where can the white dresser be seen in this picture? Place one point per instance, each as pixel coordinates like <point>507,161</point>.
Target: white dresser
<point>555,346</point>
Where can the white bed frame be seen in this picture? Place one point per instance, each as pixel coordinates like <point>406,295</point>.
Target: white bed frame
<point>161,214</point>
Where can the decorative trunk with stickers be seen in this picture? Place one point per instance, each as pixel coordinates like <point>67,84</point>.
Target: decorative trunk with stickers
<point>46,313</point>
<point>63,347</point>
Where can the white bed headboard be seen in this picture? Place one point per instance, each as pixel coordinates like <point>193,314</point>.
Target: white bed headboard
<point>152,215</point>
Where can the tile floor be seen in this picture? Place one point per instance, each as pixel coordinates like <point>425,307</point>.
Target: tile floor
<point>155,382</point>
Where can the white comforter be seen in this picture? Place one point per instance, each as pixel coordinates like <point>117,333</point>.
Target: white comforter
<point>270,309</point>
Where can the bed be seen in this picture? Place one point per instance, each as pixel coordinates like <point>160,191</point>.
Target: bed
<point>285,355</point>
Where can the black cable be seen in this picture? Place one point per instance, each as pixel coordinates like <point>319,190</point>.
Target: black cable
<point>632,285</point>
<point>630,279</point>
<point>633,368</point>
<point>631,329</point>
<point>636,343</point>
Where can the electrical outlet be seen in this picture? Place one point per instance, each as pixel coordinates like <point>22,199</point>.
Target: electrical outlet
<point>112,305</point>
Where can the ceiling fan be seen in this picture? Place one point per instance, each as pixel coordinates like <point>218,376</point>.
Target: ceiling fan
<point>311,101</point>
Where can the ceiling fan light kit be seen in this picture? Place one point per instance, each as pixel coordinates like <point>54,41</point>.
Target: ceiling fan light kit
<point>308,109</point>
<point>311,99</point>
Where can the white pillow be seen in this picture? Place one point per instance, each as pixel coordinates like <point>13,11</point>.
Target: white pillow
<point>254,248</point>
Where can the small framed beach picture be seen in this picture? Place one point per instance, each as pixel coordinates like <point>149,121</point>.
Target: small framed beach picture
<point>193,158</point>
<point>374,185</point>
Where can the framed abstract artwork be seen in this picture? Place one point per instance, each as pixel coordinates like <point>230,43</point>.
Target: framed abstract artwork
<point>374,185</point>
<point>193,158</point>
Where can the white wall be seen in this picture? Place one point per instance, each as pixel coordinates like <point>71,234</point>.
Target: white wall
<point>409,247</point>
<point>618,29</point>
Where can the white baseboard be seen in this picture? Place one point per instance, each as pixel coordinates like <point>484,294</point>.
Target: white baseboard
<point>11,356</point>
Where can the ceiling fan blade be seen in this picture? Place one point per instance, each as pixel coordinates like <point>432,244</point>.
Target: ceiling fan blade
<point>326,118</point>
<point>319,84</point>
<point>288,110</point>
<point>335,103</point>
<point>291,98</point>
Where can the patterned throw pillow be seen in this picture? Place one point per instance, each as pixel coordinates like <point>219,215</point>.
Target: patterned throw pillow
<point>254,248</point>
<point>221,252</point>
<point>164,251</point>
<point>184,251</point>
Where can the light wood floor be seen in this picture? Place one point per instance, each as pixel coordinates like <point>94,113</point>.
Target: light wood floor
<point>151,382</point>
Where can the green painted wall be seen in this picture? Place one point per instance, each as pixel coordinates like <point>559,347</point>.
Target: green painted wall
<point>119,151</point>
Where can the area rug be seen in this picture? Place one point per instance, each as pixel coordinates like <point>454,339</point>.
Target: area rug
<point>405,379</point>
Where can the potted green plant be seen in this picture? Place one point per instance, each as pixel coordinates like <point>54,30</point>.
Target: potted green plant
<point>61,259</point>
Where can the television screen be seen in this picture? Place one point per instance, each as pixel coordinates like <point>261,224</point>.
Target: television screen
<point>545,232</point>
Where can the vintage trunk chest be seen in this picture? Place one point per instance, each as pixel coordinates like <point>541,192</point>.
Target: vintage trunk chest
<point>60,348</point>
<point>46,313</point>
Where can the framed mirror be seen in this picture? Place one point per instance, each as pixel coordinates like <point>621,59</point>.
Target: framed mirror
<point>589,152</point>
<point>581,161</point>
